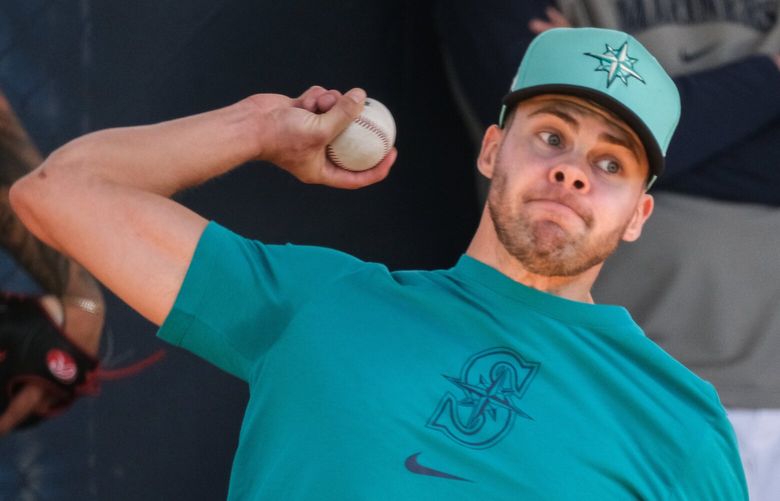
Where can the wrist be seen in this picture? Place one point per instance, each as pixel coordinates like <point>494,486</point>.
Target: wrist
<point>264,121</point>
<point>253,128</point>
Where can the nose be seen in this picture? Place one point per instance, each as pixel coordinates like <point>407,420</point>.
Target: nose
<point>570,177</point>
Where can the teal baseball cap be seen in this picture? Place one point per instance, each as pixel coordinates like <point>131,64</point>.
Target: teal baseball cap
<point>610,68</point>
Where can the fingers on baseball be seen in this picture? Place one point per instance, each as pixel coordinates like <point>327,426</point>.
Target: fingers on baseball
<point>346,109</point>
<point>308,100</point>
<point>30,399</point>
<point>318,99</point>
<point>352,180</point>
<point>327,100</point>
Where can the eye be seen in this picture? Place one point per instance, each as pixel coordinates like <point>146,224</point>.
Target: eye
<point>551,138</point>
<point>609,166</point>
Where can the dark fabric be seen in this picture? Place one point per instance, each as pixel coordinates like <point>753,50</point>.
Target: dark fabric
<point>729,151</point>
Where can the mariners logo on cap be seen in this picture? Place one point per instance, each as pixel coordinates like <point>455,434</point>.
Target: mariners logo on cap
<point>617,63</point>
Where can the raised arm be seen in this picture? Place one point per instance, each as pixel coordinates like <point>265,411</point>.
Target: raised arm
<point>104,198</point>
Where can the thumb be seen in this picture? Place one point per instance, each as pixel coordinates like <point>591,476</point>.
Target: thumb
<point>344,112</point>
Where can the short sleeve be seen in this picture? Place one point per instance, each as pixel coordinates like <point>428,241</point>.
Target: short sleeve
<point>239,295</point>
<point>714,470</point>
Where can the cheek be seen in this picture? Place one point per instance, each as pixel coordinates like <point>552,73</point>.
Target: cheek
<point>508,184</point>
<point>519,167</point>
<point>618,215</point>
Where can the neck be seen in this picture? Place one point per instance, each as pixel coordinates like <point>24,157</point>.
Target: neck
<point>486,247</point>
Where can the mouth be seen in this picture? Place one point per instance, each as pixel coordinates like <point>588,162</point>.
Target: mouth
<point>562,206</point>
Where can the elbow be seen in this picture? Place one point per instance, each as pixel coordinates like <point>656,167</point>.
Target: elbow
<point>21,196</point>
<point>36,194</point>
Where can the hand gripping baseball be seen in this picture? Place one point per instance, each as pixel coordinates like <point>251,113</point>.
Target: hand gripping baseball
<point>302,128</point>
<point>366,141</point>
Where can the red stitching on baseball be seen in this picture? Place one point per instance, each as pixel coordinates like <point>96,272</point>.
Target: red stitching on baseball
<point>373,127</point>
<point>334,157</point>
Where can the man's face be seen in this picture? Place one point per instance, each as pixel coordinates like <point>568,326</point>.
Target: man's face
<point>567,184</point>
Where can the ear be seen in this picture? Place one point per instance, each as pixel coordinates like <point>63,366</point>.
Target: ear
<point>487,155</point>
<point>644,208</point>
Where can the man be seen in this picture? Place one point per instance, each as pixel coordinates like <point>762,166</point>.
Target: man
<point>495,379</point>
<point>718,210</point>
<point>715,212</point>
<point>71,299</point>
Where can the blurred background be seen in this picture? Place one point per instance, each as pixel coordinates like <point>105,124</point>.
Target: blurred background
<point>71,67</point>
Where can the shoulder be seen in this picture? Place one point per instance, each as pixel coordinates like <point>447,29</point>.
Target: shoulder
<point>714,469</point>
<point>706,462</point>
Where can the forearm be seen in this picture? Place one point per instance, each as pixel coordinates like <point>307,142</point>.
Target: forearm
<point>163,158</point>
<point>84,308</point>
<point>104,199</point>
<point>98,180</point>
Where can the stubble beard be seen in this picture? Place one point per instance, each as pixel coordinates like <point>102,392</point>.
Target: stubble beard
<point>544,247</point>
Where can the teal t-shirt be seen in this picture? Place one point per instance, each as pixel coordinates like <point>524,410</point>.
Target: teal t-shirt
<point>367,384</point>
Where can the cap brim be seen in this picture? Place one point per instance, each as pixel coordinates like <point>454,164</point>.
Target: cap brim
<point>655,157</point>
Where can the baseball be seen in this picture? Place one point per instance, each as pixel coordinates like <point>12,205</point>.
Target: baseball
<point>366,141</point>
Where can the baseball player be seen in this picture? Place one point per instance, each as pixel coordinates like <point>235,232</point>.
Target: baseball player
<point>495,379</point>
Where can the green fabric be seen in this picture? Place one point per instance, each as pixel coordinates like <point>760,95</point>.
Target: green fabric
<point>608,62</point>
<point>513,393</point>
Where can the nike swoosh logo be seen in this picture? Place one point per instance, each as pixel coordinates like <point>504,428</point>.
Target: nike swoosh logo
<point>415,467</point>
<point>690,56</point>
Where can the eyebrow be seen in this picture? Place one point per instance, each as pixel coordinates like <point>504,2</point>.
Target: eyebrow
<point>560,113</point>
<point>625,143</point>
<point>567,113</point>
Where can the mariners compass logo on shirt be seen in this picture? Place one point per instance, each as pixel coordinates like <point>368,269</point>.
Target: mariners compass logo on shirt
<point>486,402</point>
<point>617,63</point>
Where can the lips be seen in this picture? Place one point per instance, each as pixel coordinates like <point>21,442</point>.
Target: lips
<point>565,203</point>
<point>555,205</point>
